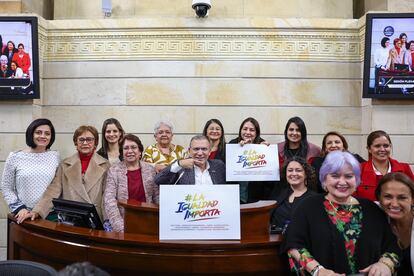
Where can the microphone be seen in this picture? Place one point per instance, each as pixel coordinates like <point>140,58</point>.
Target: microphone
<point>179,177</point>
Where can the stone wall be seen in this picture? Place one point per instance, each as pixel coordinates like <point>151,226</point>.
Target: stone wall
<point>92,9</point>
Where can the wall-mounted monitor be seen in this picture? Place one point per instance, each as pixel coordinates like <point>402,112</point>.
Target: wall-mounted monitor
<point>19,59</point>
<point>389,56</point>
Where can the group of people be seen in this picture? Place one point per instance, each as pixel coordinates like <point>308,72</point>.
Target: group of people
<point>14,61</point>
<point>402,53</point>
<point>325,196</point>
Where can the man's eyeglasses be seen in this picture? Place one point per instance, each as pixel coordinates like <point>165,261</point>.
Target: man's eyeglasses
<point>202,149</point>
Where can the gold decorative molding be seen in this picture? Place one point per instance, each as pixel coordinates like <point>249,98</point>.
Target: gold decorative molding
<point>221,44</point>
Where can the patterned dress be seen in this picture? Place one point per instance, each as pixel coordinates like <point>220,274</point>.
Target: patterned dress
<point>153,155</point>
<point>347,219</point>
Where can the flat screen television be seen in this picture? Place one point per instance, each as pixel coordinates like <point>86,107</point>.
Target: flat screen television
<point>19,58</point>
<point>389,56</point>
<point>76,213</point>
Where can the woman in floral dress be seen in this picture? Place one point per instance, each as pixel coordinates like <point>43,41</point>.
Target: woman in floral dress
<point>338,234</point>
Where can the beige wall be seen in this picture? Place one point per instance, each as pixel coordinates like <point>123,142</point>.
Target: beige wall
<point>79,9</point>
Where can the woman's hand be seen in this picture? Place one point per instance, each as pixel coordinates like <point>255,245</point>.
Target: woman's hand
<point>377,269</point>
<point>328,272</point>
<point>21,215</point>
<point>265,143</point>
<point>244,142</point>
<point>29,215</point>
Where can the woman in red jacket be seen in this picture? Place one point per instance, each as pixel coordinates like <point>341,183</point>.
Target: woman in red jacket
<point>379,164</point>
<point>22,59</point>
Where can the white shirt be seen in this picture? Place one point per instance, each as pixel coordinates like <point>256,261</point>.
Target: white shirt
<point>201,178</point>
<point>381,57</point>
<point>26,176</point>
<point>377,172</point>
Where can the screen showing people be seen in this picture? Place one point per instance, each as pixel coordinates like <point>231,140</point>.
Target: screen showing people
<point>18,43</point>
<point>389,56</point>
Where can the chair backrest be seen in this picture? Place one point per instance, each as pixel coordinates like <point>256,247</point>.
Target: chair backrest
<point>25,268</point>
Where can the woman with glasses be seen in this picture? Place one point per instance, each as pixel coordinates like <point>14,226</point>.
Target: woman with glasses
<point>129,179</point>
<point>163,152</point>
<point>80,177</point>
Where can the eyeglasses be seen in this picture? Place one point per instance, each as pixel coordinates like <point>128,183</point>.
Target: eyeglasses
<point>130,148</point>
<point>88,140</point>
<point>202,149</point>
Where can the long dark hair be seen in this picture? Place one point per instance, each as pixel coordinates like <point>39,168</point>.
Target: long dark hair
<point>257,139</point>
<point>222,143</point>
<point>118,125</point>
<point>6,50</point>
<point>303,148</point>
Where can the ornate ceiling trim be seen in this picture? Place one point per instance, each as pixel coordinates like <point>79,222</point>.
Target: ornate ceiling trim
<point>329,45</point>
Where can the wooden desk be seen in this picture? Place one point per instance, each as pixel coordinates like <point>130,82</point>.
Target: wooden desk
<point>143,254</point>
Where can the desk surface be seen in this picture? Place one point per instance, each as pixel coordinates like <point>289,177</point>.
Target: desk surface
<point>126,253</point>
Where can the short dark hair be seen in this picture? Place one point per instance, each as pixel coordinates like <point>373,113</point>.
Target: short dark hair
<point>130,137</point>
<point>395,176</point>
<point>383,41</point>
<point>256,125</point>
<point>333,133</point>
<point>222,142</point>
<point>409,43</point>
<point>32,127</point>
<point>83,129</point>
<point>20,44</point>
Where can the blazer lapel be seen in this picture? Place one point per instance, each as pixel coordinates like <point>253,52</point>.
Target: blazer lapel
<point>213,174</point>
<point>146,175</point>
<point>93,174</point>
<point>74,176</point>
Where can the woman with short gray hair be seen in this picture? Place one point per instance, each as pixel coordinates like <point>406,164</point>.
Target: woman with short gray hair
<point>163,152</point>
<point>338,234</point>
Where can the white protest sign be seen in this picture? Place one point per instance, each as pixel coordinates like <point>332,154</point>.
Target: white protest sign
<point>252,162</point>
<point>199,212</point>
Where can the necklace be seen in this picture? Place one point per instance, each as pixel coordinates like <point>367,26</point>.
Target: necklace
<point>344,209</point>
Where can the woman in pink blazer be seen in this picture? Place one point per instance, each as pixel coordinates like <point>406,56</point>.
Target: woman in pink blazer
<point>128,179</point>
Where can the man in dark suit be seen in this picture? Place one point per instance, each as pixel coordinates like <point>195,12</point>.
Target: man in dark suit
<point>194,170</point>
